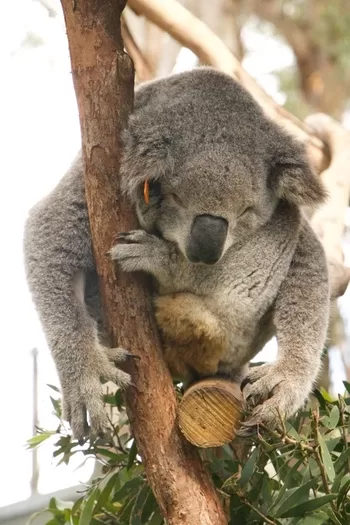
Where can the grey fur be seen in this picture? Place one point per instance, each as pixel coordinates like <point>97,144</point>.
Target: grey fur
<point>212,152</point>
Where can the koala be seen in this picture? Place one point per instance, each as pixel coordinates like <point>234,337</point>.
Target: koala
<point>219,191</point>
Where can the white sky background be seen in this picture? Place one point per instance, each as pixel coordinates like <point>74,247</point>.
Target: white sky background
<point>39,136</point>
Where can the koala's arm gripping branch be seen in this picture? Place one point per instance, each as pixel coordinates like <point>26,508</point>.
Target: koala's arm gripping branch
<point>103,79</point>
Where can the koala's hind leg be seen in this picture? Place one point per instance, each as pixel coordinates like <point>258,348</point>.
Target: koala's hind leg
<point>193,338</point>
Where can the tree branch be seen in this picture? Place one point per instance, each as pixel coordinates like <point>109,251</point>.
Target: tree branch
<point>103,80</point>
<point>142,67</point>
<point>328,221</point>
<point>194,34</point>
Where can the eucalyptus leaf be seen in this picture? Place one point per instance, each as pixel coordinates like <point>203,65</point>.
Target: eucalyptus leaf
<point>343,492</point>
<point>295,497</point>
<point>88,507</point>
<point>136,513</point>
<point>38,439</point>
<point>287,483</point>
<point>341,461</point>
<point>327,459</point>
<point>249,467</point>
<point>307,506</point>
<point>109,485</point>
<point>333,419</point>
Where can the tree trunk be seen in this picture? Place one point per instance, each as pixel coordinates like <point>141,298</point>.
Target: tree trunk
<point>103,80</point>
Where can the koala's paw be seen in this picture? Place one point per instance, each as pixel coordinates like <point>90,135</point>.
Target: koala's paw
<point>138,250</point>
<point>83,396</point>
<point>271,392</point>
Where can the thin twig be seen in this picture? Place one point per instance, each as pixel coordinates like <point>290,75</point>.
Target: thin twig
<point>343,426</point>
<point>265,518</point>
<point>284,438</point>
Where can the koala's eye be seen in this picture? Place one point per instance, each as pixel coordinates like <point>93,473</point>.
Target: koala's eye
<point>151,189</point>
<point>176,199</point>
<point>246,212</point>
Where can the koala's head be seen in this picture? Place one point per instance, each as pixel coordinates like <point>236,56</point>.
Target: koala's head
<point>214,165</point>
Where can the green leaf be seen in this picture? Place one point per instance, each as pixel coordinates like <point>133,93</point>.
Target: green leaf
<point>296,496</point>
<point>157,518</point>
<point>77,505</point>
<point>331,421</point>
<point>308,506</point>
<point>88,508</point>
<point>292,432</point>
<point>249,467</point>
<point>136,513</point>
<point>116,458</point>
<point>347,386</point>
<point>52,504</point>
<point>343,458</point>
<point>119,400</point>
<point>287,482</point>
<point>327,460</point>
<point>326,395</point>
<point>54,388</point>
<point>129,488</point>
<point>320,398</point>
<point>109,483</point>
<point>56,403</point>
<point>338,520</point>
<point>332,442</point>
<point>321,518</point>
<point>339,481</point>
<point>149,506</point>
<point>38,439</point>
<point>343,492</point>
<point>125,511</point>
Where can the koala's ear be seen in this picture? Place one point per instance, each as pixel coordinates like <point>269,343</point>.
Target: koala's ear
<point>292,177</point>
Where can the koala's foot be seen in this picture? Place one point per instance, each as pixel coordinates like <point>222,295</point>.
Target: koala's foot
<point>272,392</point>
<point>83,394</point>
<point>138,250</point>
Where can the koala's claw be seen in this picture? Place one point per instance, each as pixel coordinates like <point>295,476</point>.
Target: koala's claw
<point>83,396</point>
<point>246,381</point>
<point>135,236</point>
<point>139,251</point>
<point>271,392</point>
<point>119,355</point>
<point>247,430</point>
<point>133,356</point>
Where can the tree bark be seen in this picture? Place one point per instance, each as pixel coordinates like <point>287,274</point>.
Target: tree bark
<point>103,80</point>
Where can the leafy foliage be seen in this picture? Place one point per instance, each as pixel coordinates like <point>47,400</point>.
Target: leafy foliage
<point>298,474</point>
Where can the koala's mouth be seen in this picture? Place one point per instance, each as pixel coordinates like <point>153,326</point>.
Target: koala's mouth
<point>207,239</point>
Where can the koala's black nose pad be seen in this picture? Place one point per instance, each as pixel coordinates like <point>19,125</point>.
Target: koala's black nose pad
<point>207,239</point>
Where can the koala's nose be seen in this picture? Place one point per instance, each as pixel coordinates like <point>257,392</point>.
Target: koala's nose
<point>207,239</point>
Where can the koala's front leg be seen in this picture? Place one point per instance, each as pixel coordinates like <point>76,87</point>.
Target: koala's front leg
<point>138,250</point>
<point>300,318</point>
